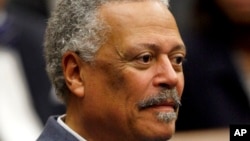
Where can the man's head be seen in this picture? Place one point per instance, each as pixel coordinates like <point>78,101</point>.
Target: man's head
<point>118,66</point>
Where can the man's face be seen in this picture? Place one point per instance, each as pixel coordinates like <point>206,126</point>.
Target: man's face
<point>133,86</point>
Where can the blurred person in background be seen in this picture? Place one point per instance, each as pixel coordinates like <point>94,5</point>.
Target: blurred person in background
<point>21,37</point>
<point>217,71</point>
<point>23,30</point>
<point>24,83</point>
<point>18,119</point>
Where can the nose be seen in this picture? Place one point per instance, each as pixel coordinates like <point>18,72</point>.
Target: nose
<point>166,76</point>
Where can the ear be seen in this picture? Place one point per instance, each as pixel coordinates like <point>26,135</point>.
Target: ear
<point>72,64</point>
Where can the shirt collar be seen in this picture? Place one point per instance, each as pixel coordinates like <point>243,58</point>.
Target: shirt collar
<point>66,127</point>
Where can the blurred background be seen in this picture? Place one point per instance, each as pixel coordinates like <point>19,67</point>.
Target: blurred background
<point>26,96</point>
<point>217,69</point>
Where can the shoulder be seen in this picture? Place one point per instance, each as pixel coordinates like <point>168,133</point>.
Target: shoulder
<point>54,131</point>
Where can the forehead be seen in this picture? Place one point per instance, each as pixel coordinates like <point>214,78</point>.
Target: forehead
<point>136,14</point>
<point>141,22</point>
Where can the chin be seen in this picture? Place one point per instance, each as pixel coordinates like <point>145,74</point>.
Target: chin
<point>153,128</point>
<point>160,137</point>
<point>167,132</point>
<point>162,131</point>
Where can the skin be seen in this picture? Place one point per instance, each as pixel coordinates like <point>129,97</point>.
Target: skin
<point>143,55</point>
<point>2,4</point>
<point>236,10</point>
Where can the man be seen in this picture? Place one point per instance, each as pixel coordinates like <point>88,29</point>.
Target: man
<point>117,65</point>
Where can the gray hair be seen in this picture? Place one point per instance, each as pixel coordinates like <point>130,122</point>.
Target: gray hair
<point>74,26</point>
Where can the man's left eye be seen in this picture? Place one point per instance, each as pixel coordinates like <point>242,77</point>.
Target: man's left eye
<point>178,60</point>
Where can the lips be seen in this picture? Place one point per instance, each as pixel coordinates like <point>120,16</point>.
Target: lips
<point>168,104</point>
<point>167,99</point>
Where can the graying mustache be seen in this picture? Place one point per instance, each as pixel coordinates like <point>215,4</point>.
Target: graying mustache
<point>161,97</point>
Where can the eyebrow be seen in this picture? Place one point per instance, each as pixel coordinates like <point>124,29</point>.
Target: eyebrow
<point>152,46</point>
<point>179,47</point>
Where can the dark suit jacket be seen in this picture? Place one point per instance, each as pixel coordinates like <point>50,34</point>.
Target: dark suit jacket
<point>53,131</point>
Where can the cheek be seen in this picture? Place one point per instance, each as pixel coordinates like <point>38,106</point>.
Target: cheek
<point>113,76</point>
<point>120,91</point>
<point>180,85</point>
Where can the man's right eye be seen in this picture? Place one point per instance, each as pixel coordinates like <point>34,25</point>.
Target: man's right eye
<point>145,58</point>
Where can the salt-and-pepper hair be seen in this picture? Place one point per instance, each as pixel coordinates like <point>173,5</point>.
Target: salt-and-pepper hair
<point>74,26</point>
